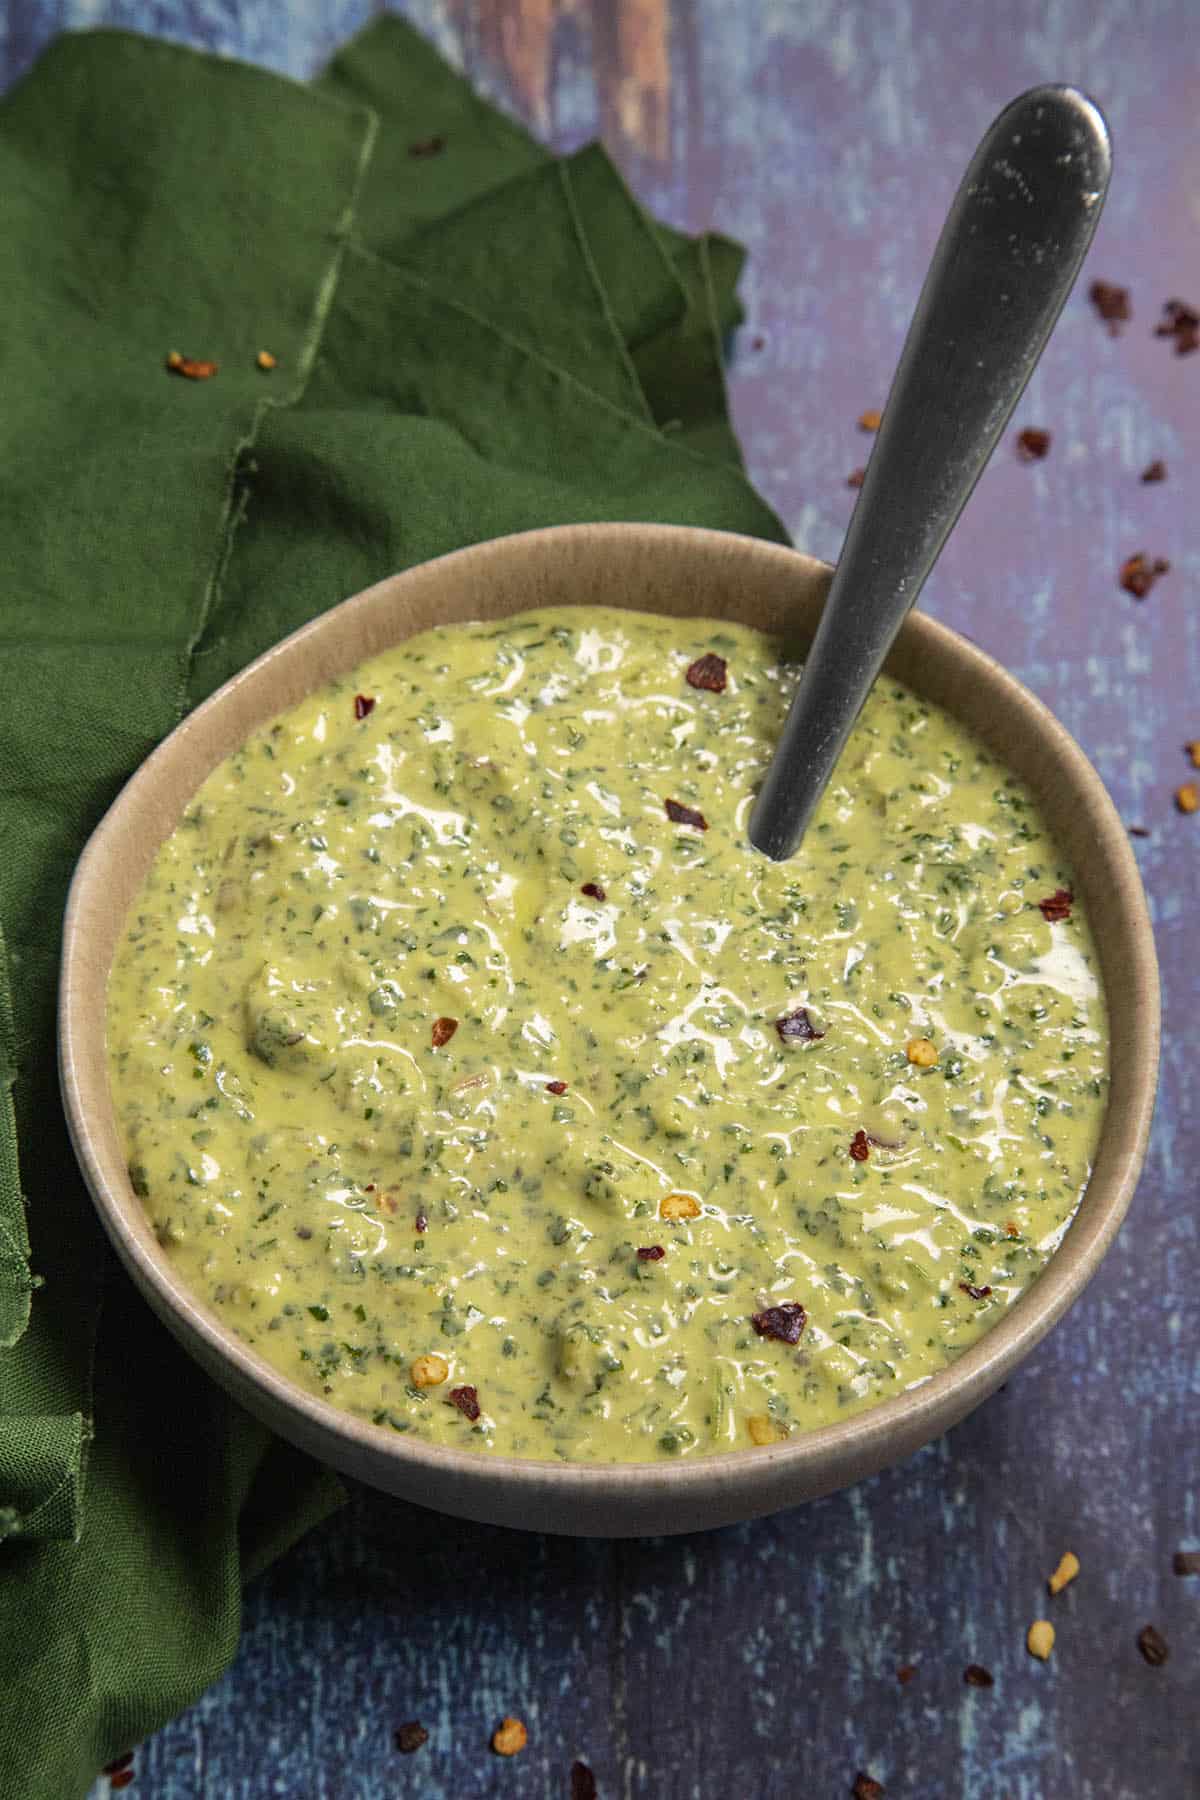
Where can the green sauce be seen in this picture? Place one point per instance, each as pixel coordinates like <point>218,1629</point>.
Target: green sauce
<point>490,845</point>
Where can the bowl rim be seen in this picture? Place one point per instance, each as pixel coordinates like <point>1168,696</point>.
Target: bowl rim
<point>910,1416</point>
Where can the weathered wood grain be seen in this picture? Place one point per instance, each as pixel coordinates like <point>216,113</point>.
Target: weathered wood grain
<point>759,1663</point>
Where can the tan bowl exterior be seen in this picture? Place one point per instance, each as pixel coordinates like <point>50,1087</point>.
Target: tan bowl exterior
<point>687,573</point>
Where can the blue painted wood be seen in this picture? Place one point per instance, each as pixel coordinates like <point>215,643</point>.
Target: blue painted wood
<point>760,1662</point>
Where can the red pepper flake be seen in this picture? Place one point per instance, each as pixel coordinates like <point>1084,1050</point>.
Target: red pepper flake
<point>583,1782</point>
<point>190,367</point>
<point>1032,444</point>
<point>1153,1646</point>
<point>422,1221</point>
<point>432,146</point>
<point>797,1028</point>
<point>1138,573</point>
<point>975,1675</point>
<point>976,1293</point>
<point>1011,1230</point>
<point>856,477</point>
<point>370,1188</point>
<point>121,1780</point>
<point>118,1763</point>
<point>410,1737</point>
<point>758,343</point>
<point>785,1323</point>
<point>870,420</point>
<point>867,1788</point>
<point>1112,303</point>
<point>593,890</point>
<point>363,704</point>
<point>1186,1562</point>
<point>467,1401</point>
<point>685,815</point>
<point>443,1031</point>
<point>1181,322</point>
<point>1155,471</point>
<point>708,672</point>
<point>651,1253</point>
<point>1138,831</point>
<point>1057,906</point>
<point>556,1087</point>
<point>860,1146</point>
<point>905,1673</point>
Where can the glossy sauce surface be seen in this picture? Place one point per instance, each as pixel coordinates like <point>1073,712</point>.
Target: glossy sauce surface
<point>495,1099</point>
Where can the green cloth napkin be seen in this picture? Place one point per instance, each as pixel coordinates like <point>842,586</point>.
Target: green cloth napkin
<point>471,338</point>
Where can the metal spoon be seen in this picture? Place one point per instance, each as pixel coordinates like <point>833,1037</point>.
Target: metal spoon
<point>1006,260</point>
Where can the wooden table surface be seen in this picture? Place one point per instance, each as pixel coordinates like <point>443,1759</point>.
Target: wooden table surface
<point>760,1663</point>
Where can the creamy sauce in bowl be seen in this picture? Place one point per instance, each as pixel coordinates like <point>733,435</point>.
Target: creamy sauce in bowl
<point>475,1070</point>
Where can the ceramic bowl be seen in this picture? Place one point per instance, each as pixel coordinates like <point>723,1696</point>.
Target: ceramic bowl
<point>685,573</point>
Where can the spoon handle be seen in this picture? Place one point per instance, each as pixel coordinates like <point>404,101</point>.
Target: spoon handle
<point>1009,252</point>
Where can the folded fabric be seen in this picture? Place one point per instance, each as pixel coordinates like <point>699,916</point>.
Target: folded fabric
<point>470,338</point>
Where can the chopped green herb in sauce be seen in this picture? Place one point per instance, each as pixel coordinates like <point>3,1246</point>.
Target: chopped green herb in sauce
<point>645,1145</point>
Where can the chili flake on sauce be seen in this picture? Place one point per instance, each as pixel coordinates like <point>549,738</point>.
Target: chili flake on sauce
<point>797,1028</point>
<point>1057,906</point>
<point>708,671</point>
<point>685,815</point>
<point>467,1401</point>
<point>785,1322</point>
